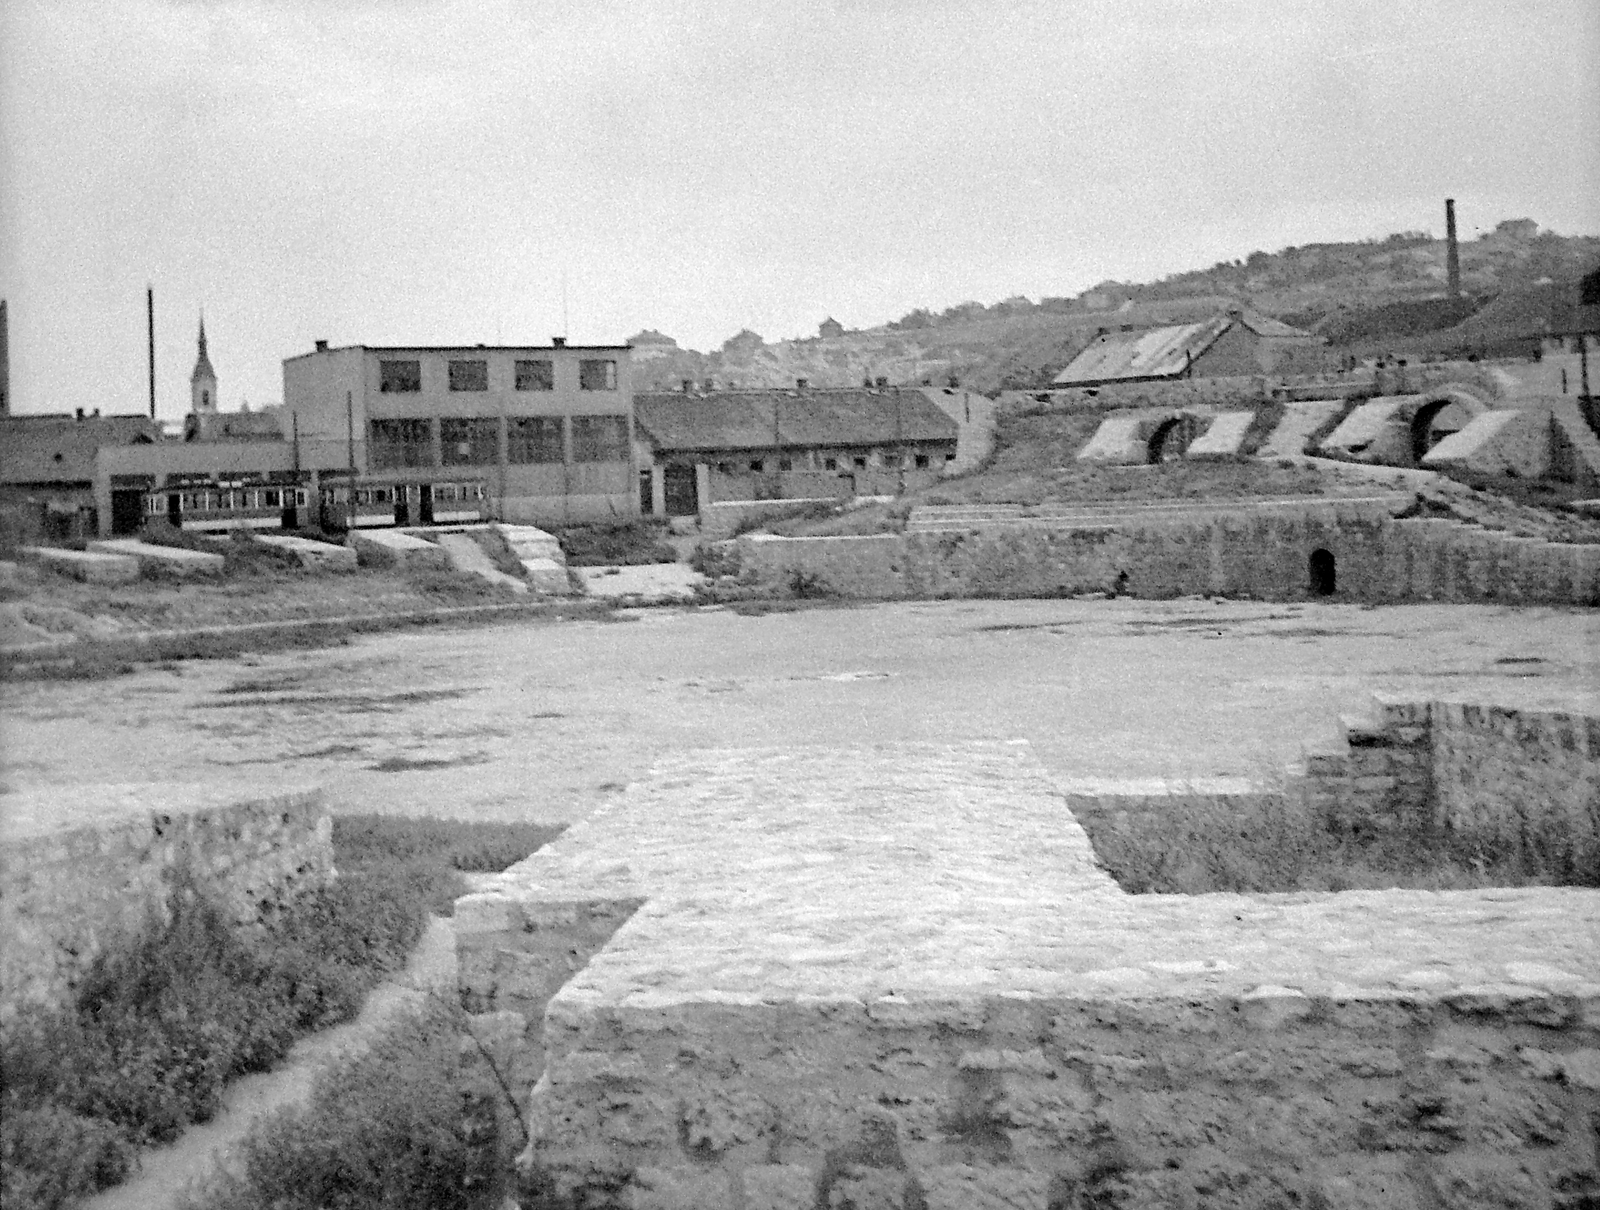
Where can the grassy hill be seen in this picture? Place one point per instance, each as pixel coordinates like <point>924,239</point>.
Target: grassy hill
<point>1368,297</point>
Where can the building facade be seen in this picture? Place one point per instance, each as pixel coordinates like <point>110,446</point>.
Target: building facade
<point>548,428</point>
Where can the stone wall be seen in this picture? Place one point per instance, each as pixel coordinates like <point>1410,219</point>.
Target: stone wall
<point>1495,780</point>
<point>895,977</point>
<point>84,867</point>
<point>1262,554</point>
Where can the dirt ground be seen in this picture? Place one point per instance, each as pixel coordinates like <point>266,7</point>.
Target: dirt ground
<point>546,720</point>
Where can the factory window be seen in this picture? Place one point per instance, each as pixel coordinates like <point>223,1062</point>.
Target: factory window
<point>534,439</point>
<point>861,462</point>
<point>469,375</point>
<point>469,440</point>
<point>891,460</point>
<point>536,375</point>
<point>399,376</point>
<point>830,464</point>
<point>600,438</point>
<point>757,465</point>
<point>786,464</point>
<point>922,462</point>
<point>401,443</point>
<point>597,375</point>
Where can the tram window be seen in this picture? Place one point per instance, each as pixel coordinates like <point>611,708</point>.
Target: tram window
<point>271,498</point>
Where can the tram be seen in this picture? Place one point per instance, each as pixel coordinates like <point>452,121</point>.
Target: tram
<point>388,503</point>
<point>216,506</point>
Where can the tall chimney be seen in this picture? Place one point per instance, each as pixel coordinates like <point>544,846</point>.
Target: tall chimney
<point>5,363</point>
<point>1452,251</point>
<point>150,335</point>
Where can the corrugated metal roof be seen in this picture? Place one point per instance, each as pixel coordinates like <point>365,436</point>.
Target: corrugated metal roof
<point>1151,353</point>
<point>60,449</point>
<point>1161,352</point>
<point>742,420</point>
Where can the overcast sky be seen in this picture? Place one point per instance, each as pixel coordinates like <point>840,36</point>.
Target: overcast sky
<point>423,171</point>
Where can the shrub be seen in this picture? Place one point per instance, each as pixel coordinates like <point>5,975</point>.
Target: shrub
<point>625,543</point>
<point>159,1027</point>
<point>382,1130</point>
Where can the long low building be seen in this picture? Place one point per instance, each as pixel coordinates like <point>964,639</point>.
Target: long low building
<point>697,448</point>
<point>1238,342</point>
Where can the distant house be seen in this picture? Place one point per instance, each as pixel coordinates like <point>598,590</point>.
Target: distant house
<point>1236,343</point>
<point>830,328</point>
<point>265,424</point>
<point>47,468</point>
<point>787,443</point>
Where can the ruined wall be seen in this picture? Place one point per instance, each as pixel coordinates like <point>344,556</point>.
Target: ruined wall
<point>83,867</point>
<point>1264,556</point>
<point>1509,780</point>
<point>1272,1098</point>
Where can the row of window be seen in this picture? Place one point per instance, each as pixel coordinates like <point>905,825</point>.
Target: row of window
<point>475,440</point>
<point>404,376</point>
<point>238,500</point>
<point>858,462</point>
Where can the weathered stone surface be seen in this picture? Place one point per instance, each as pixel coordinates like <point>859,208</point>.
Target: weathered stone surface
<point>923,930</point>
<point>176,560</point>
<point>391,547</point>
<point>91,566</point>
<point>319,556</point>
<point>76,875</point>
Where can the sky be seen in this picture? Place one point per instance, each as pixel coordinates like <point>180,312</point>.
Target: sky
<point>501,171</point>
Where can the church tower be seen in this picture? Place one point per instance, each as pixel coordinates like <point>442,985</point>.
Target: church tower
<point>203,382</point>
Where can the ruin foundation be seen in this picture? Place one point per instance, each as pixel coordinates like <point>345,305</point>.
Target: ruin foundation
<point>897,977</point>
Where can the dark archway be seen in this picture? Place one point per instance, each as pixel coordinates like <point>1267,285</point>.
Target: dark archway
<point>1172,438</point>
<point>1324,573</point>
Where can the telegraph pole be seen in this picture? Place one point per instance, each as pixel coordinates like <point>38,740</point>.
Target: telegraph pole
<point>150,333</point>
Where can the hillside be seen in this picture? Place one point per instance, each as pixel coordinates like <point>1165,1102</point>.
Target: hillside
<point>1370,297</point>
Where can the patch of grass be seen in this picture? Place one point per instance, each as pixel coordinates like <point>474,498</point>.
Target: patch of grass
<point>157,1028</point>
<point>383,1131</point>
<point>619,543</point>
<point>1265,843</point>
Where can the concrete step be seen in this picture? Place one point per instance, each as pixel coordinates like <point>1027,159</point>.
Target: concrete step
<point>390,547</point>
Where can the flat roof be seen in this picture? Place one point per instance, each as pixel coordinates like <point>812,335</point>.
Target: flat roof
<point>461,349</point>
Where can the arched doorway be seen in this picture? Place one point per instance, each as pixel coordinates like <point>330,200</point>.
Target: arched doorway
<point>1324,573</point>
<point>1436,420</point>
<point>1172,438</point>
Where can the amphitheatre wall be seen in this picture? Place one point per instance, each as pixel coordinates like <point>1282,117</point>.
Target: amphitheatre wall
<point>86,867</point>
<point>1262,554</point>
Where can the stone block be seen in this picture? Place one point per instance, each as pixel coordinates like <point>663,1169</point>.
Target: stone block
<point>393,547</point>
<point>547,576</point>
<point>314,556</point>
<point>965,1187</point>
<point>90,566</point>
<point>779,1187</point>
<point>678,1189</point>
<point>175,560</point>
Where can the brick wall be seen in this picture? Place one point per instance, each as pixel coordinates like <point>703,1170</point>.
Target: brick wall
<point>84,867</point>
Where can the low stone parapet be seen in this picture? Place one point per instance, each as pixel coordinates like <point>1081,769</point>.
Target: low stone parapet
<point>1301,422</point>
<point>1223,437</point>
<point>175,560</point>
<point>392,548</point>
<point>91,566</point>
<point>312,555</point>
<point>84,867</point>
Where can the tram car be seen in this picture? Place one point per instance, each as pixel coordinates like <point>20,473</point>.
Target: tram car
<point>388,503</point>
<point>219,506</point>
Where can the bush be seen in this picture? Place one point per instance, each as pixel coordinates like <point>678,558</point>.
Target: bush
<point>157,1029</point>
<point>382,1130</point>
<point>619,543</point>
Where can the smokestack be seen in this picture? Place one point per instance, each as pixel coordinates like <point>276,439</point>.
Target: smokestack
<point>1452,251</point>
<point>5,364</point>
<point>150,335</point>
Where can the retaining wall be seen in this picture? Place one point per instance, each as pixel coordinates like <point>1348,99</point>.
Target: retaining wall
<point>83,867</point>
<point>1260,554</point>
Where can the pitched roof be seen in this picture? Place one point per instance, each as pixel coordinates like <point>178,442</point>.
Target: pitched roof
<point>763,419</point>
<point>1161,352</point>
<point>60,449</point>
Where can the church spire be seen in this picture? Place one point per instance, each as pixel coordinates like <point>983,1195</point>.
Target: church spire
<point>203,382</point>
